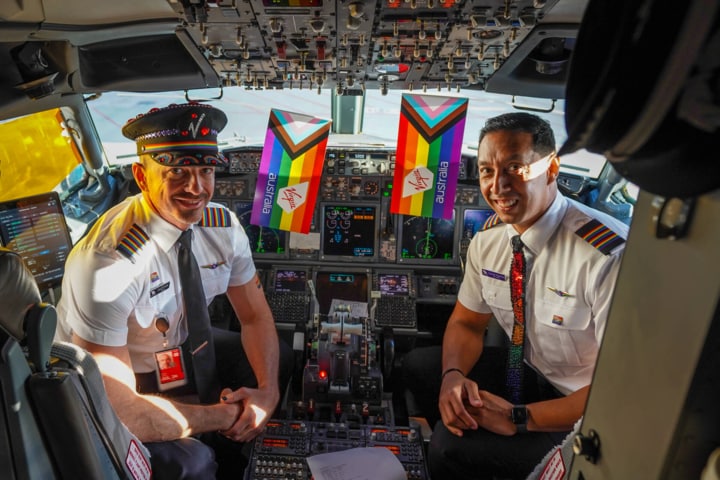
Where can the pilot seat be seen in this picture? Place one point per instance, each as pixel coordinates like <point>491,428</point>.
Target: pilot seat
<point>55,419</point>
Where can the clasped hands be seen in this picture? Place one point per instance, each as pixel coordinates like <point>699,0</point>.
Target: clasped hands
<point>463,406</point>
<point>252,409</point>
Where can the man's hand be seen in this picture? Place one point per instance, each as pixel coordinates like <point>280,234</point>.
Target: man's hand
<point>256,408</point>
<point>493,415</point>
<point>456,392</point>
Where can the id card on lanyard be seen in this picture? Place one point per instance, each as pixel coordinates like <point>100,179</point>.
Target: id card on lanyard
<point>170,369</point>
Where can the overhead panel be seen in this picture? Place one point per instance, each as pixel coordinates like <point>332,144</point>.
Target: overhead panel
<point>345,45</point>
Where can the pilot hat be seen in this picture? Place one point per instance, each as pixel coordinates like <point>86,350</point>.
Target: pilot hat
<point>179,134</point>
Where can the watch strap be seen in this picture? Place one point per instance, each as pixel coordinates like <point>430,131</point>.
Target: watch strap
<point>519,416</point>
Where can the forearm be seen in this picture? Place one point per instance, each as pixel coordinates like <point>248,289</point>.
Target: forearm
<point>260,342</point>
<point>559,414</point>
<point>463,339</point>
<point>154,418</point>
<point>259,337</point>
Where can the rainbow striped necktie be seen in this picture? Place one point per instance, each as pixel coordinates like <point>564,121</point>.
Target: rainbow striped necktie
<point>514,379</point>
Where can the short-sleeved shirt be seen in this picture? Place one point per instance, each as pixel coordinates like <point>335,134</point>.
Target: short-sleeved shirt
<point>123,276</point>
<point>573,254</point>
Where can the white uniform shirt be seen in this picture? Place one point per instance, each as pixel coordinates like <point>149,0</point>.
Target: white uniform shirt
<point>123,275</point>
<point>568,291</point>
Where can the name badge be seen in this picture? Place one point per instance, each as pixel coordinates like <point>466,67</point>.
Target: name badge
<point>170,369</point>
<point>159,289</point>
<point>495,275</point>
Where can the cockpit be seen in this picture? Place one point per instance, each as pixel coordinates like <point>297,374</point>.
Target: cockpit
<point>355,279</point>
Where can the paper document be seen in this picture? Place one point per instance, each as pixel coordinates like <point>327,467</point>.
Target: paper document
<point>364,463</point>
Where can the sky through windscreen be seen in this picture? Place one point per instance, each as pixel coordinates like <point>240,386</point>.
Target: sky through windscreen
<point>248,113</point>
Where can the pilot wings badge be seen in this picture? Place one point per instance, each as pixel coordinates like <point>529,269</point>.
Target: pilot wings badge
<point>560,293</point>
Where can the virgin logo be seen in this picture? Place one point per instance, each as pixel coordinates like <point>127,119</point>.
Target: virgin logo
<point>418,180</point>
<point>290,198</point>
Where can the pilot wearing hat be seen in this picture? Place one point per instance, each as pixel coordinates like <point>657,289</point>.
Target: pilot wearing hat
<point>122,301</point>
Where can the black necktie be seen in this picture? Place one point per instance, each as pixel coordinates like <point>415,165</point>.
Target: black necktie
<point>517,296</point>
<point>200,341</point>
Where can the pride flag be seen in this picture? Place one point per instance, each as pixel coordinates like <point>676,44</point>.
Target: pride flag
<point>428,155</point>
<point>290,170</point>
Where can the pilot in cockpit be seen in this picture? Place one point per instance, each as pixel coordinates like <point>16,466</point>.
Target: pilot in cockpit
<point>545,268</point>
<point>136,292</point>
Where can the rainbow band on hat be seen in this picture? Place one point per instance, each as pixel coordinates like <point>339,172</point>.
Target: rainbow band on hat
<point>162,147</point>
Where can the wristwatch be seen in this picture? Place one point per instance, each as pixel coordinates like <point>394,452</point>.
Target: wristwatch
<point>519,416</point>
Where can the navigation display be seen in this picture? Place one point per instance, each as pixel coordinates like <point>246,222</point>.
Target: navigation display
<point>290,280</point>
<point>427,240</point>
<point>35,228</point>
<point>264,241</point>
<point>348,232</point>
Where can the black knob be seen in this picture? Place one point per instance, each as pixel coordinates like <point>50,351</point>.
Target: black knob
<point>589,446</point>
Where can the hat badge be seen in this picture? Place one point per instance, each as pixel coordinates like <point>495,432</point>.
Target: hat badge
<point>195,127</point>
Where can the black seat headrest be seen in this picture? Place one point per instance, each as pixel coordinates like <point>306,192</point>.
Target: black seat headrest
<point>645,96</point>
<point>18,292</point>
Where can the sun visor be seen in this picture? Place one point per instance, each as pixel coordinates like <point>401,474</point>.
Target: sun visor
<point>643,91</point>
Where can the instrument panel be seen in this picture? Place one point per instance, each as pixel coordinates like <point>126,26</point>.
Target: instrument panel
<point>352,221</point>
<point>280,451</point>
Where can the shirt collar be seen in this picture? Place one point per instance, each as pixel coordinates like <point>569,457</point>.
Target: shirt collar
<point>537,236</point>
<point>162,232</point>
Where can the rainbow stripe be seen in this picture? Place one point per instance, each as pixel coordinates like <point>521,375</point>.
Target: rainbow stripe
<point>132,242</point>
<point>428,155</point>
<point>290,171</point>
<point>600,236</point>
<point>215,217</point>
<point>199,144</point>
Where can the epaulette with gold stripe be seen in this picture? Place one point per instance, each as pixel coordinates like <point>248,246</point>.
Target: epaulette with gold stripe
<point>215,217</point>
<point>600,236</point>
<point>132,242</point>
<point>491,221</point>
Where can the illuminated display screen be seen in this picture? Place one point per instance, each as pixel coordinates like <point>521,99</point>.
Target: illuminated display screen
<point>292,3</point>
<point>427,240</point>
<point>35,228</point>
<point>290,280</point>
<point>473,220</point>
<point>263,240</point>
<point>275,442</point>
<point>393,284</point>
<point>351,286</point>
<point>349,231</point>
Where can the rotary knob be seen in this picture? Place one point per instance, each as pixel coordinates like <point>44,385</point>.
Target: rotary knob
<point>587,445</point>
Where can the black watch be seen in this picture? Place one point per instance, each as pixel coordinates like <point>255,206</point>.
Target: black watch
<point>519,416</point>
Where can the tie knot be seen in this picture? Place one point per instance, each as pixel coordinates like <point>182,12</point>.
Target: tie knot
<point>517,244</point>
<point>186,239</point>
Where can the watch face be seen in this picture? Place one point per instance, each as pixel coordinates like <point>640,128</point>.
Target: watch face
<point>519,415</point>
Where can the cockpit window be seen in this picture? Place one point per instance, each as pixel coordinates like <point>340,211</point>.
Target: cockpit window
<point>37,154</point>
<point>248,112</point>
